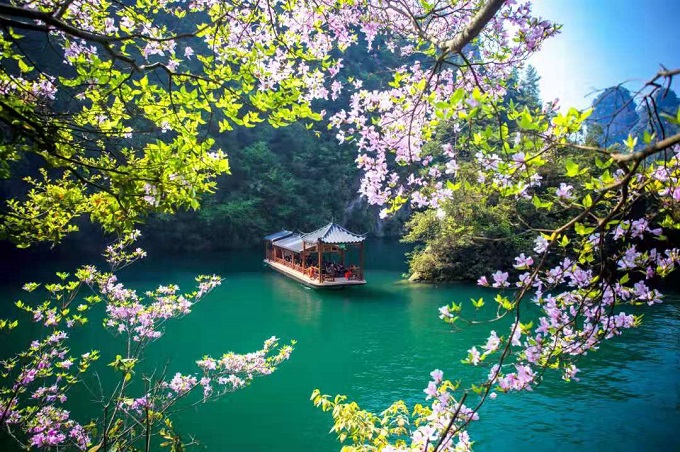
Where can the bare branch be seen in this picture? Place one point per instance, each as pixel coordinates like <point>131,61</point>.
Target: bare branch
<point>14,12</point>
<point>649,150</point>
<point>478,22</point>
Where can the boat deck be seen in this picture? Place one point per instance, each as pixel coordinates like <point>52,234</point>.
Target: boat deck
<point>300,277</point>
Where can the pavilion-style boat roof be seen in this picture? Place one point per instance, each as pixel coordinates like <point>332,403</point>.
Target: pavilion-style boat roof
<point>278,235</point>
<point>333,233</point>
<point>291,243</point>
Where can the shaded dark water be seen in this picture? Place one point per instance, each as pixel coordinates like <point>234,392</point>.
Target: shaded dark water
<point>377,344</point>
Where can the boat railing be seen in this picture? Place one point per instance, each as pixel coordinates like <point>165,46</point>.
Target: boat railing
<point>313,272</point>
<point>288,264</point>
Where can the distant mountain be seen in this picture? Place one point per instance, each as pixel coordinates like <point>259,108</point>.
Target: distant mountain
<point>652,114</point>
<point>614,117</point>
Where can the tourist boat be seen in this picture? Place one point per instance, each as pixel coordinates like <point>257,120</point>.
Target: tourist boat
<point>317,259</point>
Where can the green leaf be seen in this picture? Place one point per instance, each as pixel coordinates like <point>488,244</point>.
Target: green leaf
<point>525,121</point>
<point>541,204</point>
<point>587,201</point>
<point>23,67</point>
<point>572,168</point>
<point>14,34</point>
<point>451,186</point>
<point>457,97</point>
<point>580,229</point>
<point>564,242</point>
<point>585,115</point>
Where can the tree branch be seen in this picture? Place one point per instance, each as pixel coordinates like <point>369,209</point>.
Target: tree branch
<point>649,150</point>
<point>10,15</point>
<point>12,12</point>
<point>473,29</point>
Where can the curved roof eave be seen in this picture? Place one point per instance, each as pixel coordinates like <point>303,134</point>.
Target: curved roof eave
<point>334,234</point>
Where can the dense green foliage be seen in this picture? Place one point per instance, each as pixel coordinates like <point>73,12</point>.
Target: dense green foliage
<point>474,232</point>
<point>477,231</point>
<point>289,178</point>
<point>295,177</point>
<point>122,116</point>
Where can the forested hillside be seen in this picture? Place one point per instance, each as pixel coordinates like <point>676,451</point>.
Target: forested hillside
<point>477,231</point>
<point>289,178</point>
<point>296,177</point>
<point>460,240</point>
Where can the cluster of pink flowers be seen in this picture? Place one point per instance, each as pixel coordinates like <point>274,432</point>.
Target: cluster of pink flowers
<point>390,126</point>
<point>33,400</point>
<point>52,427</point>
<point>587,309</point>
<point>127,313</point>
<point>117,255</point>
<point>233,371</point>
<point>219,377</point>
<point>579,306</point>
<point>150,191</point>
<point>576,320</point>
<point>182,384</point>
<point>41,376</point>
<point>38,91</point>
<point>48,425</point>
<point>138,405</point>
<point>439,422</point>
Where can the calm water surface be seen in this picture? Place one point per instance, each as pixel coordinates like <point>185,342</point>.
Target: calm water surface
<point>378,343</point>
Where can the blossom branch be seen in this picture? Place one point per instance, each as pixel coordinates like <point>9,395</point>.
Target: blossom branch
<point>650,150</point>
<point>476,25</point>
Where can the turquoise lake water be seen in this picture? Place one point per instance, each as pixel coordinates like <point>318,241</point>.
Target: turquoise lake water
<point>378,344</point>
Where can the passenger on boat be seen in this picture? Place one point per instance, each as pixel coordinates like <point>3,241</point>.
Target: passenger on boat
<point>353,272</point>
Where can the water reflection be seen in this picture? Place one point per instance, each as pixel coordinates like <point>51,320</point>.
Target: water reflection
<point>297,298</point>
